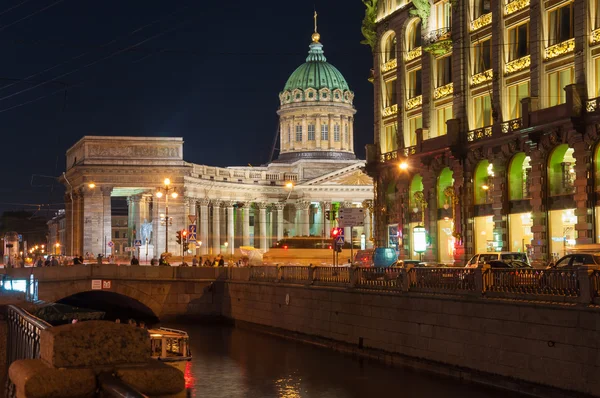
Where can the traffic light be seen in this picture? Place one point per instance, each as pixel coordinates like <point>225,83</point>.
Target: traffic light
<point>186,246</point>
<point>327,215</point>
<point>338,248</point>
<point>332,214</point>
<point>184,234</point>
<point>179,237</point>
<point>335,232</point>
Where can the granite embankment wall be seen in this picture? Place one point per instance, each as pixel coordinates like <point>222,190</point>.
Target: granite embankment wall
<point>553,345</point>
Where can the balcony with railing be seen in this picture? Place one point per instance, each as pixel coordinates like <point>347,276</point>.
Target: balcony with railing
<point>413,54</point>
<point>595,36</point>
<point>562,48</point>
<point>438,42</point>
<point>390,65</point>
<point>511,125</point>
<point>513,6</point>
<point>482,77</point>
<point>390,111</point>
<point>409,150</point>
<point>479,134</point>
<point>517,64</point>
<point>414,102</point>
<point>481,22</point>
<point>443,91</point>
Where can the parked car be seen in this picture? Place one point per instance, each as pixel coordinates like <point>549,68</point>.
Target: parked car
<point>364,258</point>
<point>384,257</point>
<point>571,261</point>
<point>484,258</point>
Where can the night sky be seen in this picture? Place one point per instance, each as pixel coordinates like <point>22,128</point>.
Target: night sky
<point>207,71</point>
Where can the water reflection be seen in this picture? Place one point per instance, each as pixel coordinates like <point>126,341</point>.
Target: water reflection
<point>236,363</point>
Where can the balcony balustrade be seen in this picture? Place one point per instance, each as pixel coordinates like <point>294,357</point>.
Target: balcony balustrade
<point>518,64</point>
<point>515,5</point>
<point>389,156</point>
<point>414,102</point>
<point>443,91</point>
<point>414,54</point>
<point>479,134</point>
<point>479,78</point>
<point>390,111</point>
<point>481,22</point>
<point>559,49</point>
<point>511,125</point>
<point>389,65</point>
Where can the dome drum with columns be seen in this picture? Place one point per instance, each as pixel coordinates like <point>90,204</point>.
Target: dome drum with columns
<point>316,111</point>
<point>232,207</point>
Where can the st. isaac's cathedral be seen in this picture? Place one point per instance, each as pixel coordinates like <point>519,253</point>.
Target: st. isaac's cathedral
<point>316,172</point>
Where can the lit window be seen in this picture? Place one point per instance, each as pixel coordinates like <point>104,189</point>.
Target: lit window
<point>443,71</point>
<point>414,83</point>
<point>560,24</point>
<point>311,132</point>
<point>556,85</point>
<point>388,141</point>
<point>336,133</point>
<point>518,41</point>
<point>414,36</point>
<point>324,132</point>
<point>390,47</point>
<point>443,115</point>
<point>443,14</point>
<point>414,123</point>
<point>596,14</point>
<point>597,75</point>
<point>482,56</point>
<point>390,93</point>
<point>481,7</point>
<point>482,111</point>
<point>298,133</point>
<point>515,94</point>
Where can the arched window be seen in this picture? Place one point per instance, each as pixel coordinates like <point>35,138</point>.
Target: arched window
<point>561,171</point>
<point>389,47</point>
<point>445,180</point>
<point>482,183</point>
<point>413,35</point>
<point>416,185</point>
<point>518,177</point>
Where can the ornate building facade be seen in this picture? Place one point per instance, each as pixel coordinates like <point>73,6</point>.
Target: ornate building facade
<point>231,207</point>
<point>486,126</point>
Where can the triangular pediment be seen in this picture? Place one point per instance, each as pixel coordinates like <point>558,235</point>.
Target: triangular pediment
<point>350,176</point>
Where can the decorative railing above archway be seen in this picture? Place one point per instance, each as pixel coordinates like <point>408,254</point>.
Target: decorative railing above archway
<point>565,47</point>
<point>479,134</point>
<point>511,125</point>
<point>389,156</point>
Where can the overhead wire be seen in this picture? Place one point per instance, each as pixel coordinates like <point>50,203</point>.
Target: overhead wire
<point>30,15</point>
<point>9,9</point>
<point>110,42</point>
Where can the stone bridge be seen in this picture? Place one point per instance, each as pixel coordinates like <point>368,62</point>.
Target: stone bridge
<point>168,292</point>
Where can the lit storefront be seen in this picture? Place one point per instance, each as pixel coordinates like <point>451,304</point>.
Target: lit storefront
<point>446,202</point>
<point>520,232</point>
<point>562,231</point>
<point>484,234</point>
<point>445,241</point>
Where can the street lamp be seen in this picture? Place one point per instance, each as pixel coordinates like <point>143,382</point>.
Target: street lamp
<point>289,185</point>
<point>56,246</point>
<point>165,190</point>
<point>403,166</point>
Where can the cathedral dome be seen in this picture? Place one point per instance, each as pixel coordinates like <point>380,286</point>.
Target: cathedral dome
<point>316,80</point>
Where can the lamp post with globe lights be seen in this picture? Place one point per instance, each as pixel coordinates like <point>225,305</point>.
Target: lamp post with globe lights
<point>165,191</point>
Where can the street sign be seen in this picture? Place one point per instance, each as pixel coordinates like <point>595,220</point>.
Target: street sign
<point>191,233</point>
<point>351,217</point>
<point>110,243</point>
<point>192,219</point>
<point>20,238</point>
<point>137,243</point>
<point>96,284</point>
<point>339,240</point>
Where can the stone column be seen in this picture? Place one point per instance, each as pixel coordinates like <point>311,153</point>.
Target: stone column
<point>351,128</point>
<point>583,200</point>
<point>318,131</point>
<point>347,232</point>
<point>262,208</point>
<point>540,244</point>
<point>157,228</point>
<point>368,206</point>
<point>500,204</point>
<point>68,243</point>
<point>107,218</point>
<point>331,124</point>
<point>216,231</point>
<point>326,206</point>
<point>303,229</point>
<point>279,206</point>
<point>77,222</point>
<point>204,226</point>
<point>230,228</point>
<point>246,224</point>
<point>92,225</point>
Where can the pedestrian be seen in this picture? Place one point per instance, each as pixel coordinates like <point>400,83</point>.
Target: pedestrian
<point>39,262</point>
<point>194,261</point>
<point>76,260</point>
<point>80,259</point>
<point>117,320</point>
<point>142,324</point>
<point>47,262</point>
<point>134,261</point>
<point>221,261</point>
<point>54,262</point>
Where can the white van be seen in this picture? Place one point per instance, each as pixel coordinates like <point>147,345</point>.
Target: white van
<point>481,258</point>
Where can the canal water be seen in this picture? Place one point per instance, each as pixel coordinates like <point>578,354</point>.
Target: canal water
<point>234,363</point>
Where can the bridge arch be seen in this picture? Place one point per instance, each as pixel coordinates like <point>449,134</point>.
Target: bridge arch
<point>138,292</point>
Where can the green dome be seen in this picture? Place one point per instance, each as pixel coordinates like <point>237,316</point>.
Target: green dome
<point>315,75</point>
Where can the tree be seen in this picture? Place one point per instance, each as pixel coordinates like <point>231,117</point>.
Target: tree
<point>369,28</point>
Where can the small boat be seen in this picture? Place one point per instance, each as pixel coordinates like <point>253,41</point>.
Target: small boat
<point>170,346</point>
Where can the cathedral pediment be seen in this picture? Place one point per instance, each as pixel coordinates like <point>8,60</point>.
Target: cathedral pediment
<point>351,175</point>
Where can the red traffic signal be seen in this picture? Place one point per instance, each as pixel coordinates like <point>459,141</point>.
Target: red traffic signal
<point>184,233</point>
